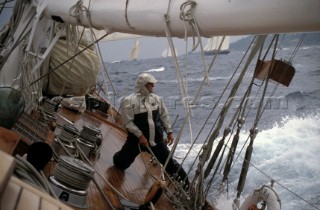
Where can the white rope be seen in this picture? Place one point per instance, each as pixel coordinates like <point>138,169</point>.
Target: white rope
<point>25,171</point>
<point>171,197</point>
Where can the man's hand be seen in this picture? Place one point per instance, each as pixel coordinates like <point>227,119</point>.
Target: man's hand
<point>170,139</point>
<point>143,141</point>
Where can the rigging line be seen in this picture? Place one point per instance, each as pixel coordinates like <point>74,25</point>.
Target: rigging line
<point>263,109</point>
<point>81,51</point>
<point>260,86</point>
<point>231,132</point>
<point>240,111</point>
<point>185,79</point>
<point>178,71</point>
<point>212,110</point>
<point>240,122</point>
<point>274,90</point>
<point>248,93</point>
<point>105,68</point>
<point>6,1</point>
<point>290,60</point>
<point>253,133</point>
<point>21,37</point>
<point>145,165</point>
<point>181,85</point>
<point>280,42</point>
<point>234,73</point>
<point>220,160</point>
<point>100,54</point>
<point>76,50</point>
<point>13,22</point>
<point>170,196</point>
<point>215,156</point>
<point>23,65</point>
<point>163,171</point>
<point>207,149</point>
<point>206,153</point>
<point>186,15</point>
<point>179,134</point>
<point>251,106</point>
<point>297,47</point>
<point>126,15</point>
<point>85,158</point>
<point>276,37</point>
<point>231,96</point>
<point>215,55</point>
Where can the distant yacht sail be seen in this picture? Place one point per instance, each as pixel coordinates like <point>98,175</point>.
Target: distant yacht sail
<point>213,44</point>
<point>135,50</point>
<point>167,52</point>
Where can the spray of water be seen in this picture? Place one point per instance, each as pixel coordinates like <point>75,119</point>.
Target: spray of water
<point>287,153</point>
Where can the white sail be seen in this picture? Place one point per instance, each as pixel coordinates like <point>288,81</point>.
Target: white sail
<point>135,50</point>
<point>168,53</point>
<point>213,45</point>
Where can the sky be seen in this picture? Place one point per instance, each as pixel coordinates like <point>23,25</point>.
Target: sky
<point>150,47</point>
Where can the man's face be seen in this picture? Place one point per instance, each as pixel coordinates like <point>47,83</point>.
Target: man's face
<point>150,86</point>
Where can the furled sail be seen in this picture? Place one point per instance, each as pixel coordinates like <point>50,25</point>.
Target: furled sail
<point>74,77</point>
<point>146,17</point>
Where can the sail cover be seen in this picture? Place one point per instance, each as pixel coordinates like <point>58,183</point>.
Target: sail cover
<point>76,80</point>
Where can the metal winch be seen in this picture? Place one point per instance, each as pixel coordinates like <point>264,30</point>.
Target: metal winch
<point>90,140</point>
<point>70,181</point>
<point>64,143</point>
<point>48,110</point>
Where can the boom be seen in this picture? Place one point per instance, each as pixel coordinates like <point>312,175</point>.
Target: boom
<point>213,17</point>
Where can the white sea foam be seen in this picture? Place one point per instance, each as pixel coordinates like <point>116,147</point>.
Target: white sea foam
<point>157,70</point>
<point>289,154</point>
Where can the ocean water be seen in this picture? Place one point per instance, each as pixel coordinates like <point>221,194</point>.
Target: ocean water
<point>286,148</point>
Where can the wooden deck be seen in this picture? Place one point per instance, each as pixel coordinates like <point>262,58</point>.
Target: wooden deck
<point>133,183</point>
<point>129,187</point>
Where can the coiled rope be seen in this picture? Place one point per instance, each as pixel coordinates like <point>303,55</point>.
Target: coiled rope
<point>25,171</point>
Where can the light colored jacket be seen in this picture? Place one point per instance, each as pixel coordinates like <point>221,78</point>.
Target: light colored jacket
<point>141,101</point>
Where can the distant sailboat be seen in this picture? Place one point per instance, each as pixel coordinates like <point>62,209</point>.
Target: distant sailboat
<point>213,44</point>
<point>167,52</point>
<point>135,50</point>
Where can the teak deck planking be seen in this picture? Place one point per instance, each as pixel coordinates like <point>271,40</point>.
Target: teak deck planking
<point>132,183</point>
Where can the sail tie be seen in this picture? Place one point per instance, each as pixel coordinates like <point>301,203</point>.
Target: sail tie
<point>126,15</point>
